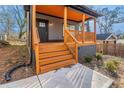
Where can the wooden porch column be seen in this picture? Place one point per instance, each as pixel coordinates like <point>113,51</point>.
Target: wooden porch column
<point>95,30</point>
<point>34,40</point>
<point>65,22</point>
<point>83,28</point>
<point>33,23</point>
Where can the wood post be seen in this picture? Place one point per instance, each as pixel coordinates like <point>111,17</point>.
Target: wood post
<point>65,22</point>
<point>33,23</point>
<point>107,47</point>
<point>35,45</point>
<point>76,52</point>
<point>37,59</point>
<point>94,30</point>
<point>83,28</point>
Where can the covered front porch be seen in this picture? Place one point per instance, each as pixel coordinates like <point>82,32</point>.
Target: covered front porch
<point>52,24</point>
<point>52,21</point>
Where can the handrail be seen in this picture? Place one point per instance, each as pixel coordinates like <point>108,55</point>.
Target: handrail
<point>89,36</point>
<point>36,37</point>
<point>71,36</point>
<point>69,44</point>
<point>76,33</point>
<point>89,32</point>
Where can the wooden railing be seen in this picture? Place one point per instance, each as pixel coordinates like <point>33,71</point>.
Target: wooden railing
<point>72,44</point>
<point>89,36</point>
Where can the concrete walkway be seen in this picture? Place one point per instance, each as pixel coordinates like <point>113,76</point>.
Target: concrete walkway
<point>77,76</point>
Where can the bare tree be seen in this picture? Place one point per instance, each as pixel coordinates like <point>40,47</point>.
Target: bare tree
<point>6,20</point>
<point>109,18</point>
<point>20,19</point>
<point>12,19</point>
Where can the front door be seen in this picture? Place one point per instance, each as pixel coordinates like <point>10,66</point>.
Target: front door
<point>42,27</point>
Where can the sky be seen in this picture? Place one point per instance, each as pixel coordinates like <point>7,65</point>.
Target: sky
<point>116,27</point>
<point>8,10</point>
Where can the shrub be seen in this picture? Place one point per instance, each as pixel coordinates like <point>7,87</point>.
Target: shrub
<point>116,62</point>
<point>112,65</point>
<point>99,56</point>
<point>88,59</point>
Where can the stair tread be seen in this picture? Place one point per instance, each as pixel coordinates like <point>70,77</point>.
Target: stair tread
<point>53,54</point>
<point>52,46</point>
<point>52,49</point>
<point>58,43</point>
<point>55,59</point>
<point>57,65</point>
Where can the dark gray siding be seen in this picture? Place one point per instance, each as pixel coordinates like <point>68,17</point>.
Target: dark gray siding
<point>86,51</point>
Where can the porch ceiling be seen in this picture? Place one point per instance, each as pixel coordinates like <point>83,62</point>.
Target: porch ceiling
<point>58,11</point>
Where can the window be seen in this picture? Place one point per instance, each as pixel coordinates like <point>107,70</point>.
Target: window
<point>70,27</point>
<point>41,24</point>
<point>89,26</point>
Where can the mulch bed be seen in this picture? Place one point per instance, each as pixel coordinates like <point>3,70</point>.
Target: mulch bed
<point>99,67</point>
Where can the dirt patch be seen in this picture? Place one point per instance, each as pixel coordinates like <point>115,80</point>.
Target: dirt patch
<point>99,67</point>
<point>4,44</point>
<point>10,56</point>
<point>20,73</point>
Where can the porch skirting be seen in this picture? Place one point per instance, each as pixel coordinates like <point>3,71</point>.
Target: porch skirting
<point>83,51</point>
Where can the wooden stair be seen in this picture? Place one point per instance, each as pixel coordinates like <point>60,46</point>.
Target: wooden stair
<point>54,56</point>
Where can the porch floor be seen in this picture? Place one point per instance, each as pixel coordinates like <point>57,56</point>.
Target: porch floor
<point>57,43</point>
<point>75,76</point>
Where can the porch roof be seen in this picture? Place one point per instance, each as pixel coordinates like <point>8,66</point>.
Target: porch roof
<point>75,12</point>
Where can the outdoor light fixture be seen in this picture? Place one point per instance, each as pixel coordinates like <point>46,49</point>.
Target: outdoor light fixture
<point>50,24</point>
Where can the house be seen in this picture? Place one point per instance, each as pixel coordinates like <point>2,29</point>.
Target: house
<point>3,37</point>
<point>24,37</point>
<point>120,36</point>
<point>54,36</point>
<point>106,38</point>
